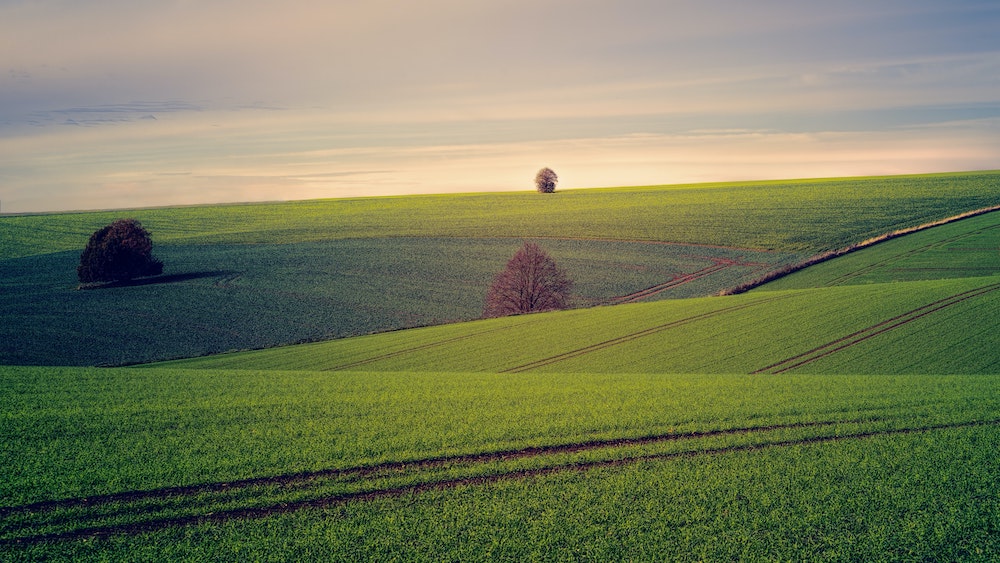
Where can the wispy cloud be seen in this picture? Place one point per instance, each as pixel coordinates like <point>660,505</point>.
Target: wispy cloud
<point>105,103</point>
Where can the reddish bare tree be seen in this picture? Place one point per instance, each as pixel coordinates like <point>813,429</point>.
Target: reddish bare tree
<point>545,181</point>
<point>531,282</point>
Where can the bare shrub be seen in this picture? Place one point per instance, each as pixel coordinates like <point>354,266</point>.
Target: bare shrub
<point>531,282</point>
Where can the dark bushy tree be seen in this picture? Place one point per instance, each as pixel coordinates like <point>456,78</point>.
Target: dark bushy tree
<point>531,282</point>
<point>120,251</point>
<point>546,180</point>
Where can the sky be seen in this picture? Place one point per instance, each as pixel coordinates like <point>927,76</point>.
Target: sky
<point>137,103</point>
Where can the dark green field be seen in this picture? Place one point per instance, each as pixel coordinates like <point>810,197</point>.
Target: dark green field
<point>233,297</point>
<point>847,412</point>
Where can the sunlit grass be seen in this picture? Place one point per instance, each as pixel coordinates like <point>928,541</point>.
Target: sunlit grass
<point>936,326</point>
<point>790,215</point>
<point>735,451</point>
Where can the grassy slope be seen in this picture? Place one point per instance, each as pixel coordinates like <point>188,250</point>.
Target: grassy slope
<point>792,215</point>
<point>797,466</point>
<point>324,269</point>
<point>793,467</point>
<point>740,334</point>
<point>254,296</point>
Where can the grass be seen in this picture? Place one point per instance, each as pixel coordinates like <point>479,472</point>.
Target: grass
<point>789,216</point>
<point>124,429</point>
<point>260,275</point>
<point>851,329</point>
<point>692,429</point>
<point>853,501</point>
<point>755,450</point>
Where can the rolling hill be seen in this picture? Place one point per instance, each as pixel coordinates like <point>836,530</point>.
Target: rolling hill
<point>262,275</point>
<point>848,411</point>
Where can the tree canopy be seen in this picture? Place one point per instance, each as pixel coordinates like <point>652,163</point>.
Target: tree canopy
<point>545,180</point>
<point>120,251</point>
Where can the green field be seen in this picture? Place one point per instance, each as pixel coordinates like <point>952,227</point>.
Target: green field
<point>847,412</point>
<point>948,323</point>
<point>235,297</point>
<point>260,275</point>
<point>229,465</point>
<point>966,248</point>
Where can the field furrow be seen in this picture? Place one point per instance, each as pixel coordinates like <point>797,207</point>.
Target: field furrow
<point>635,336</point>
<point>873,331</point>
<point>138,512</point>
<point>942,242</point>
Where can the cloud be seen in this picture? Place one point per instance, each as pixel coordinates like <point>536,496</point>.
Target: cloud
<point>378,53</point>
<point>124,167</point>
<point>384,96</point>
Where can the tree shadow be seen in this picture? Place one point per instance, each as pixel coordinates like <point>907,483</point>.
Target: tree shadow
<point>163,279</point>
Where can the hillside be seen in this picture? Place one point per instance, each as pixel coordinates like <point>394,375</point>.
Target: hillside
<point>782,215</point>
<point>262,275</point>
<point>846,412</point>
<point>934,327</point>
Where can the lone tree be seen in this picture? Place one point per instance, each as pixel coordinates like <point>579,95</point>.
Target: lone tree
<point>546,180</point>
<point>531,282</point>
<point>120,251</point>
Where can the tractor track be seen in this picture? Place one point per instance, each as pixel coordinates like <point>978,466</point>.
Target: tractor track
<point>424,463</point>
<point>908,254</point>
<point>635,336</point>
<point>718,265</point>
<point>874,330</point>
<point>429,345</point>
<point>675,282</point>
<point>329,501</point>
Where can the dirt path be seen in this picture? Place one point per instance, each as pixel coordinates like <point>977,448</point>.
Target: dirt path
<point>826,256</point>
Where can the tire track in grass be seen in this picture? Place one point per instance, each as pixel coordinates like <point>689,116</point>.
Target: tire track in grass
<point>329,501</point>
<point>874,330</point>
<point>718,265</point>
<point>908,254</point>
<point>675,282</point>
<point>429,345</point>
<point>636,335</point>
<point>420,463</point>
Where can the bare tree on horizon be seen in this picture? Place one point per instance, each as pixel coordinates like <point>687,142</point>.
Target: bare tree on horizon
<point>545,180</point>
